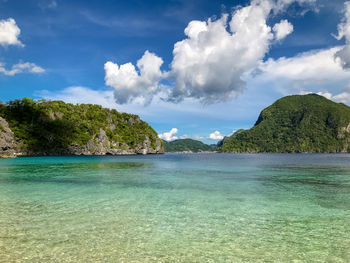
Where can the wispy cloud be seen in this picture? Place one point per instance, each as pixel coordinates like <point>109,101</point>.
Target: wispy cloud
<point>77,94</point>
<point>136,25</point>
<point>25,67</point>
<point>47,4</point>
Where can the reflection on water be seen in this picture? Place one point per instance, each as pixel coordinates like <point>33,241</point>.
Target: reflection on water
<point>176,208</point>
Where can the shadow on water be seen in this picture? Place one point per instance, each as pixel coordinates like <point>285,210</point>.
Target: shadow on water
<point>73,173</point>
<point>326,185</point>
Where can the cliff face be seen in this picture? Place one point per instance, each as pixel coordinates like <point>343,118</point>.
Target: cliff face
<point>300,123</point>
<point>7,140</point>
<point>100,144</point>
<point>55,128</point>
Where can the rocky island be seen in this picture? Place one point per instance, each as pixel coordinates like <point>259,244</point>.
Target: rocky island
<point>188,146</point>
<point>33,128</point>
<point>299,123</point>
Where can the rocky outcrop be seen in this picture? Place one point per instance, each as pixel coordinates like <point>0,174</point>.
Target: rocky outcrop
<point>8,144</point>
<point>101,145</point>
<point>29,127</point>
<point>344,131</point>
<point>344,135</point>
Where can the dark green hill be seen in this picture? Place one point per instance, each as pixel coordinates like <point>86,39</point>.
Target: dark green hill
<point>299,123</point>
<point>31,127</point>
<point>187,145</point>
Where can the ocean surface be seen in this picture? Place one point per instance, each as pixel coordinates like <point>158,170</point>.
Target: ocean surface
<point>176,208</point>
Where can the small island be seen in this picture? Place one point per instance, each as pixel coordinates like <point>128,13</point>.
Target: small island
<point>188,146</point>
<point>295,124</point>
<point>33,128</point>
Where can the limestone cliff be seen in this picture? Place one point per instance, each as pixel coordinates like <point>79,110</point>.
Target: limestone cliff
<point>7,140</point>
<point>29,128</point>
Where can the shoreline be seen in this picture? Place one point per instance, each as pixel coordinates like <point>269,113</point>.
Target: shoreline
<point>175,153</point>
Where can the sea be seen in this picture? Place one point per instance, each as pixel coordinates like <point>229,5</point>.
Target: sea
<point>176,208</point>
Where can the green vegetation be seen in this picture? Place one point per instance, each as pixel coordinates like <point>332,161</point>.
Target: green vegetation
<point>300,123</point>
<point>55,125</point>
<point>187,145</point>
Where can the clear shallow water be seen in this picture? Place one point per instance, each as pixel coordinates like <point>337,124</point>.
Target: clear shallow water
<point>176,208</point>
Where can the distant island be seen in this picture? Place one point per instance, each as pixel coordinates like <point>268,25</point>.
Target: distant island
<point>188,146</point>
<point>29,127</point>
<point>296,124</point>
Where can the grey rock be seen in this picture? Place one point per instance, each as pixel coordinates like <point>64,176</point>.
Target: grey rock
<point>8,143</point>
<point>100,144</point>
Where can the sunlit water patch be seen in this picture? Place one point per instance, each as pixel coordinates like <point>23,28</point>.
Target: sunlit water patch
<point>176,208</point>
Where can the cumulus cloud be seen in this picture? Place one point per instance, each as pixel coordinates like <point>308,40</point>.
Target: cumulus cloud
<point>325,94</point>
<point>9,32</point>
<point>282,29</point>
<point>304,66</point>
<point>216,136</point>
<point>129,84</point>
<point>169,136</point>
<point>343,97</point>
<point>25,67</point>
<point>344,32</point>
<point>210,63</point>
<point>310,68</point>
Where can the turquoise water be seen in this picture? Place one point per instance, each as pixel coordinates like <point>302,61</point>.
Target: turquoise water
<point>176,208</point>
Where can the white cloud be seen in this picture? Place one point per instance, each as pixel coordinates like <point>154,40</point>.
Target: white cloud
<point>129,84</point>
<point>325,94</point>
<point>282,29</point>
<point>307,65</point>
<point>25,67</point>
<point>315,68</point>
<point>216,136</point>
<point>344,32</point>
<point>9,32</point>
<point>343,97</point>
<point>210,63</point>
<point>169,136</point>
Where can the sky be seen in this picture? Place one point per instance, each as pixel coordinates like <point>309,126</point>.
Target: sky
<point>198,69</point>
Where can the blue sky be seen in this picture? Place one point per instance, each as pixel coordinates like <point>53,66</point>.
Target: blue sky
<point>63,46</point>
